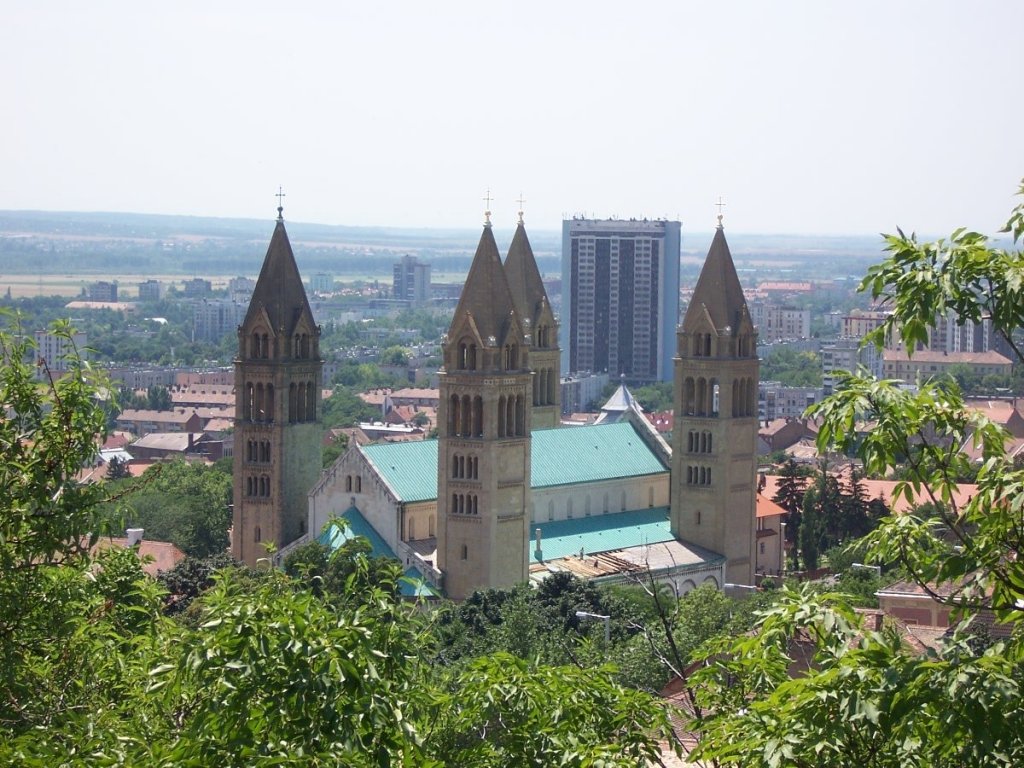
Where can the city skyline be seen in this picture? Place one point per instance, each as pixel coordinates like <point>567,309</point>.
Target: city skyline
<point>805,117</point>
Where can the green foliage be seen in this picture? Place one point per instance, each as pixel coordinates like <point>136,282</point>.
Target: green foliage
<point>344,408</point>
<point>504,711</point>
<point>863,698</point>
<point>185,503</point>
<point>792,368</point>
<point>394,355</point>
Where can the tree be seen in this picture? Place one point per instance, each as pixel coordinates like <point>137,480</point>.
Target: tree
<point>158,398</point>
<point>865,699</point>
<point>789,495</point>
<point>117,469</point>
<point>185,503</point>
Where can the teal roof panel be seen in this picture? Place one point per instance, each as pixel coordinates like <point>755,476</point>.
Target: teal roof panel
<point>562,456</point>
<point>410,468</point>
<point>602,533</point>
<point>570,455</point>
<point>333,536</point>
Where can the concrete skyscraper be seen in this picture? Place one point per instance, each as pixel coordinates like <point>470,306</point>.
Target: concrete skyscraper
<point>620,297</point>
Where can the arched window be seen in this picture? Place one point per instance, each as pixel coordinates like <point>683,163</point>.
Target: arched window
<point>478,416</point>
<point>689,397</point>
<point>467,416</point>
<point>264,347</point>
<point>359,483</point>
<point>411,533</point>
<point>501,416</point>
<point>463,358</point>
<point>348,483</point>
<point>453,416</point>
<point>257,534</point>
<point>430,526</point>
<point>310,402</point>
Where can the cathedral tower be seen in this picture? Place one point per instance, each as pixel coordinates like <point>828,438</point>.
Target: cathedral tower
<point>483,461</point>
<point>278,378</point>
<point>541,329</point>
<point>714,440</point>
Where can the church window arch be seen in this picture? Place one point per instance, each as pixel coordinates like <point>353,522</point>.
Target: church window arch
<point>430,526</point>
<point>465,552</point>
<point>538,385</point>
<point>622,500</point>
<point>710,448</point>
<point>586,506</point>
<point>467,416</point>
<point>453,416</point>
<point>568,508</point>
<point>348,483</point>
<point>254,347</point>
<point>478,416</point>
<point>707,345</point>
<point>650,496</point>
<point>257,534</point>
<point>264,347</point>
<point>359,483</point>
<point>689,396</point>
<point>551,510</point>
<point>702,396</point>
<point>455,504</point>
<point>552,384</point>
<point>604,505</point>
<point>304,349</point>
<point>310,402</point>
<point>714,394</point>
<point>463,356</point>
<point>411,532</point>
<point>751,397</point>
<point>520,415</point>
<point>501,416</point>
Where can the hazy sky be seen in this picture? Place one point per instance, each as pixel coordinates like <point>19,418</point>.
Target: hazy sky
<point>813,117</point>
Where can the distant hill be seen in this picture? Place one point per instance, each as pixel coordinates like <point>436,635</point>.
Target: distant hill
<point>50,242</point>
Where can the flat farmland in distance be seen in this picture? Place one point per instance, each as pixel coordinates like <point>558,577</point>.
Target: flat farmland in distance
<point>71,285</point>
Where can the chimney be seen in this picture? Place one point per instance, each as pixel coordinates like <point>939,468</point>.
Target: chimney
<point>538,554</point>
<point>134,536</point>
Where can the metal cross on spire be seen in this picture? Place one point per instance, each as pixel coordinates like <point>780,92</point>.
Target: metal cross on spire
<point>720,205</point>
<point>487,211</point>
<point>521,200</point>
<point>280,206</point>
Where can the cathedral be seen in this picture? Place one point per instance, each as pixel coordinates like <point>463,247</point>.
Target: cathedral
<point>506,495</point>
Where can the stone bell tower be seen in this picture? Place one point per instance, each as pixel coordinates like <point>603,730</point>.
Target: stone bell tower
<point>484,414</point>
<point>278,380</point>
<point>714,441</point>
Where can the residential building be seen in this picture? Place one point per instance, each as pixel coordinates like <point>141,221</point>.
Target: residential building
<point>321,282</point>
<point>928,364</point>
<point>779,323</point>
<point>620,297</point>
<point>151,290</point>
<point>197,287</point>
<point>52,349</point>
<point>103,291</point>
<point>777,401</point>
<point>215,318</point>
<point>581,391</point>
<point>847,355</point>
<point>411,280</point>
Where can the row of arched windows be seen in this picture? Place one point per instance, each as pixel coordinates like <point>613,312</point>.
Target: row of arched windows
<point>700,345</point>
<point>257,451</point>
<point>465,467</point>
<point>700,396</point>
<point>744,397</point>
<point>354,483</point>
<point>465,504</point>
<point>697,475</point>
<point>698,441</point>
<point>467,358</point>
<point>258,402</point>
<point>259,346</point>
<point>300,346</point>
<point>511,416</point>
<point>544,383</point>
<point>258,486</point>
<point>466,416</point>
<point>301,402</point>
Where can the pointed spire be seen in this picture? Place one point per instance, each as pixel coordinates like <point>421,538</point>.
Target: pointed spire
<point>486,296</point>
<point>524,278</point>
<point>279,290</point>
<point>718,289</point>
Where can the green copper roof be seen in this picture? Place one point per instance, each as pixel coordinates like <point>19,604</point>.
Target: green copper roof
<point>563,456</point>
<point>570,455</point>
<point>601,533</point>
<point>409,468</point>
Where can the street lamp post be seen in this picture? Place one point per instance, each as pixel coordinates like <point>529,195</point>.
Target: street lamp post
<point>606,619</point>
